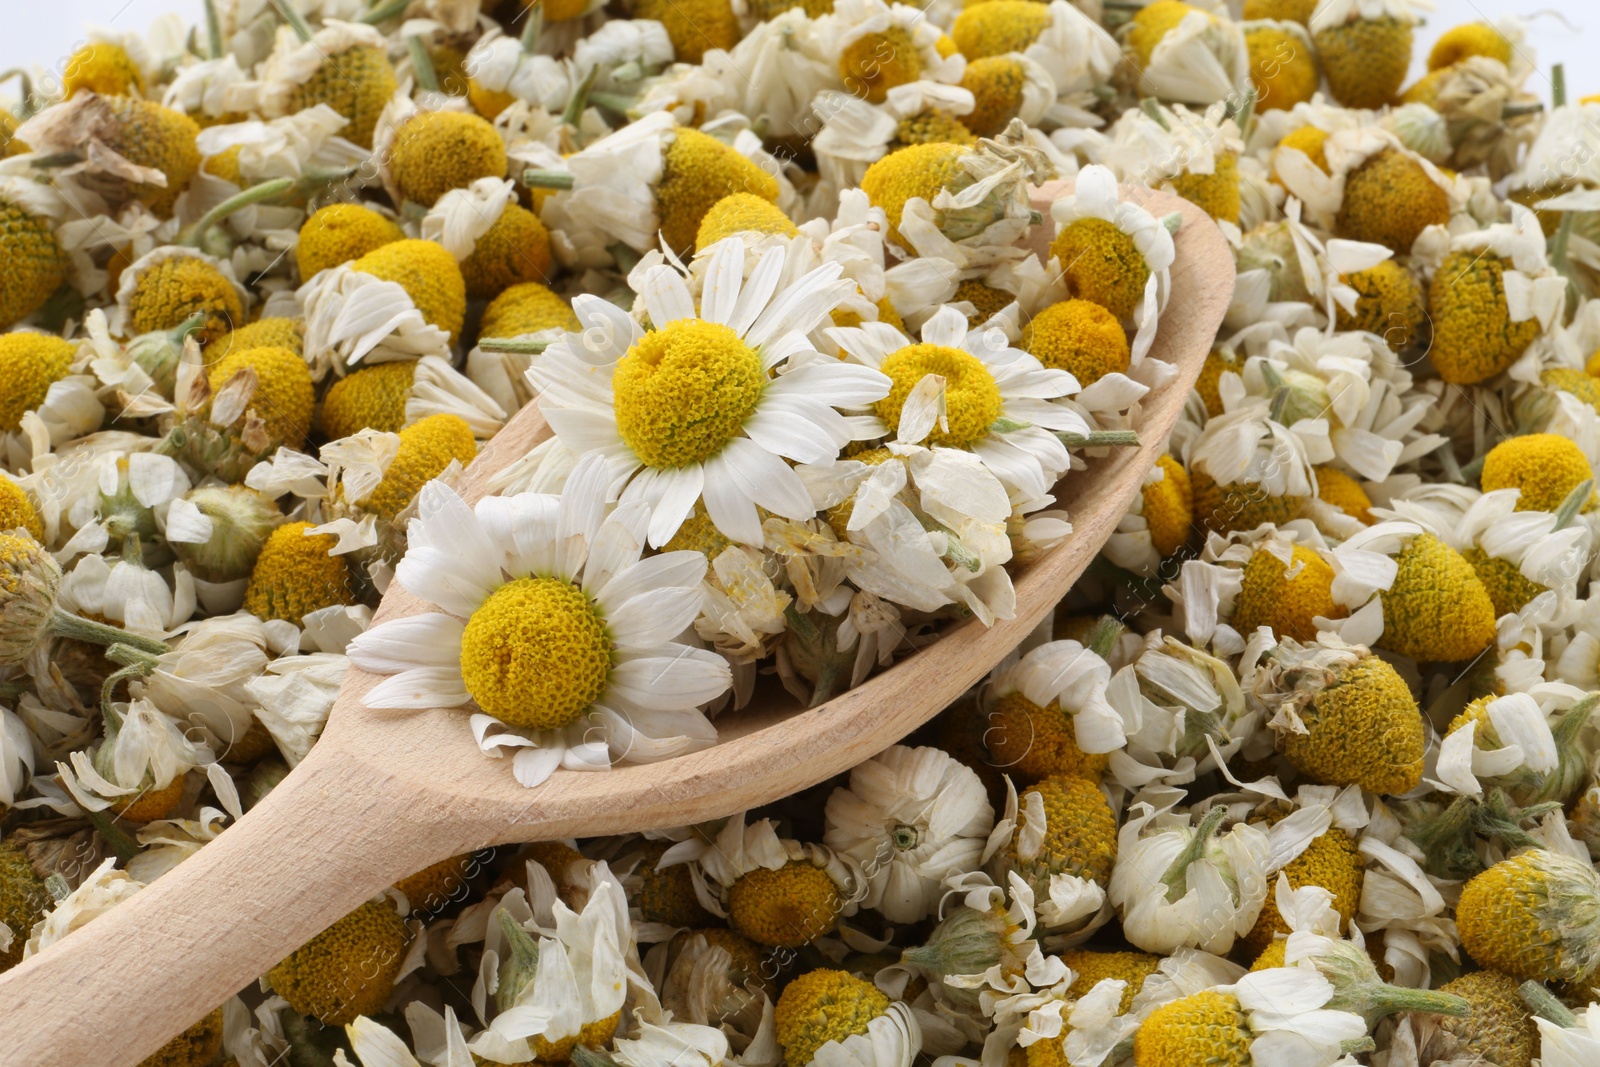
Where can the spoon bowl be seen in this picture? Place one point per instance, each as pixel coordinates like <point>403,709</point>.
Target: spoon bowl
<point>384,793</point>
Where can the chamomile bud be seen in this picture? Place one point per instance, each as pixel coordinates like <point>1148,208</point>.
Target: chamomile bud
<point>340,233</point>
<point>1389,303</point>
<point>166,288</point>
<point>35,263</point>
<point>743,213</point>
<point>296,574</point>
<point>823,1007</point>
<point>695,26</point>
<point>1545,467</point>
<point>1064,826</point>
<point>347,970</point>
<point>1365,49</point>
<point>235,523</point>
<point>1283,65</point>
<point>1342,715</point>
<point>23,901</point>
<point>433,152</point>
<point>1535,917</point>
<point>998,27</point>
<point>30,581</point>
<point>1436,610</point>
<point>1389,200</point>
<point>429,275</point>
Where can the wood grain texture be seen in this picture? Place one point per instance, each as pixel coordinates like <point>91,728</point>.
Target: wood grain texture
<point>384,793</point>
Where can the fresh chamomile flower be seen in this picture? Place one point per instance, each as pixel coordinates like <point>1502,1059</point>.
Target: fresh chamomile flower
<point>835,1019</point>
<point>37,264</point>
<point>909,817</point>
<point>1490,297</point>
<point>773,890</point>
<point>1342,715</point>
<point>1365,47</point>
<point>498,242</point>
<point>1533,917</point>
<point>344,65</point>
<point>706,406</point>
<point>515,608</point>
<point>1114,253</point>
<point>1048,712</point>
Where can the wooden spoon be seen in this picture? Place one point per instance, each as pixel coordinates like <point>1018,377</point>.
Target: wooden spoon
<point>385,793</point>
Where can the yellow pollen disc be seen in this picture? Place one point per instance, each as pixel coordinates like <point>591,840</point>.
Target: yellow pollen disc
<point>684,391</point>
<point>1102,264</point>
<point>535,654</point>
<point>786,908</point>
<point>972,399</point>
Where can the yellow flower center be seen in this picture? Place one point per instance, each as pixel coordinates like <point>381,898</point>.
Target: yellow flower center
<point>535,653</point>
<point>972,399</point>
<point>684,391</point>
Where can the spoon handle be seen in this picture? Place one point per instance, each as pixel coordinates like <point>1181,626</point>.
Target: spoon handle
<point>332,835</point>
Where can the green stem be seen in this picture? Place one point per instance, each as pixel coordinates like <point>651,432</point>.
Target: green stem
<point>422,63</point>
<point>383,12</point>
<point>1447,459</point>
<point>294,19</point>
<point>124,846</point>
<point>57,886</point>
<point>25,107</point>
<point>1245,111</point>
<point>196,235</point>
<point>531,32</point>
<point>1558,85</point>
<point>138,669</point>
<point>1175,876</point>
<point>618,102</point>
<point>513,347</point>
<point>1544,1004</point>
<point>78,628</point>
<point>580,98</point>
<point>1099,438</point>
<point>1517,111</point>
<point>180,333</point>
<point>214,45</point>
<point>1152,109</point>
<point>1105,635</point>
<point>1573,503</point>
<point>1173,222</point>
<point>548,179</point>
<point>1391,999</point>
